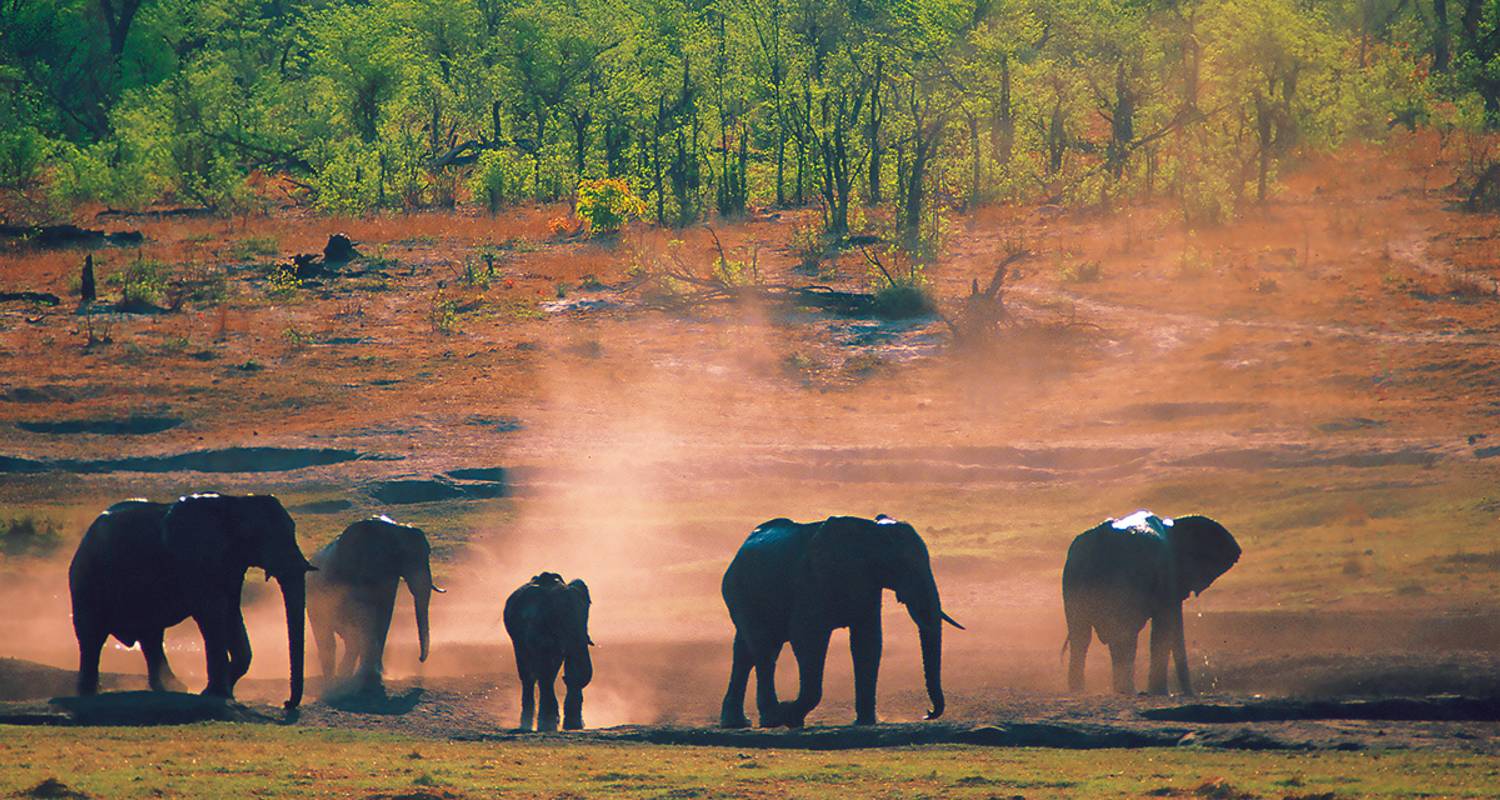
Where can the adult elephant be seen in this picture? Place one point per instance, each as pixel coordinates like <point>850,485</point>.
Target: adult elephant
<point>1140,568</point>
<point>548,624</point>
<point>143,567</point>
<point>354,592</point>
<point>797,582</point>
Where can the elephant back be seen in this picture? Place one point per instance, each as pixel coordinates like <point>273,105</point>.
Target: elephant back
<point>369,551</point>
<point>546,613</point>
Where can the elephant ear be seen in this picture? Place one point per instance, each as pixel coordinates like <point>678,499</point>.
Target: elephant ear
<point>198,531</point>
<point>1204,550</point>
<point>582,589</point>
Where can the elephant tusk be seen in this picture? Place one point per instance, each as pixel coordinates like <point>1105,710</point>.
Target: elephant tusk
<point>951,621</point>
<point>439,590</point>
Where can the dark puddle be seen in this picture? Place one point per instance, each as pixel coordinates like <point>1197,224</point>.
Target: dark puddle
<point>229,459</point>
<point>133,425</point>
<point>1446,708</point>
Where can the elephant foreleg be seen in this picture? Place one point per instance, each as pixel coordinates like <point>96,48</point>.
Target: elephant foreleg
<point>1179,653</point>
<point>372,661</point>
<point>327,642</point>
<point>1164,630</point>
<point>90,642</point>
<point>547,716</point>
<point>578,671</point>
<point>732,712</point>
<point>811,651</point>
<point>864,647</point>
<point>1122,656</point>
<point>1080,636</point>
<point>214,628</point>
<point>353,644</point>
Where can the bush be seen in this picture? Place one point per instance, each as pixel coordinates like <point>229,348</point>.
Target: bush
<point>900,293</point>
<point>22,152</point>
<point>282,282</point>
<point>499,179</point>
<point>348,180</point>
<point>605,205</point>
<point>143,283</point>
<point>29,536</point>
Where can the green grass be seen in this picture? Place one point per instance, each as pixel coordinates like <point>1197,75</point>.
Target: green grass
<point>224,760</point>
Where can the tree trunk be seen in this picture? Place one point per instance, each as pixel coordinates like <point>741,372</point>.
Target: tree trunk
<point>1440,38</point>
<point>874,134</point>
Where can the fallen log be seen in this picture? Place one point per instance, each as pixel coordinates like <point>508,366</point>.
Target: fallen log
<point>68,236</point>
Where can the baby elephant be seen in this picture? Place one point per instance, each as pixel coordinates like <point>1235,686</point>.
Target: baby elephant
<point>1125,572</point>
<point>548,623</point>
<point>354,593</point>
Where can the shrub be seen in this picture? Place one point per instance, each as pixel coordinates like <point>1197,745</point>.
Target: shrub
<point>499,179</point>
<point>442,314</point>
<point>900,293</point>
<point>810,247</point>
<point>22,153</point>
<point>282,282</point>
<point>1080,272</point>
<point>348,180</point>
<point>605,205</point>
<point>29,536</point>
<point>141,284</point>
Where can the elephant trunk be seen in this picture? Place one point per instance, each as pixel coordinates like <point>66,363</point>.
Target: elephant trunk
<point>931,634</point>
<point>294,594</point>
<point>422,598</point>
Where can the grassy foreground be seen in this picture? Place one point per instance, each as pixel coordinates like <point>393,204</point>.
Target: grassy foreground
<point>224,760</point>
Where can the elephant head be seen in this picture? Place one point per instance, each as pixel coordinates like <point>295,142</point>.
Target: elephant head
<point>214,537</point>
<point>415,567</point>
<point>1203,550</point>
<point>900,562</point>
<point>380,549</point>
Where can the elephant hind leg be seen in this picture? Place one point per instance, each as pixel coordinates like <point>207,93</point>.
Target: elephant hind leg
<point>812,654</point>
<point>766,704</point>
<point>158,672</point>
<point>864,649</point>
<point>732,712</point>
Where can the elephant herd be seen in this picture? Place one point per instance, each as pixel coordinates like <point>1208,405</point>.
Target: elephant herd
<point>143,567</point>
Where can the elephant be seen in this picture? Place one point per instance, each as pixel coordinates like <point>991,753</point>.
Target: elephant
<point>143,567</point>
<point>548,623</point>
<point>1124,572</point>
<point>797,582</point>
<point>354,592</point>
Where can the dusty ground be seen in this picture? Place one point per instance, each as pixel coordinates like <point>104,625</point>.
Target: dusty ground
<point>1322,376</point>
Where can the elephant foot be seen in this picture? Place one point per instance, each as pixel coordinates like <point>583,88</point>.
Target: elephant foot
<point>573,723</point>
<point>525,725</point>
<point>212,691</point>
<point>863,720</point>
<point>546,725</point>
<point>789,715</point>
<point>735,722</point>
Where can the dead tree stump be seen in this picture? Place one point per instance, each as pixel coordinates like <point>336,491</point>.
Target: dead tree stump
<point>86,282</point>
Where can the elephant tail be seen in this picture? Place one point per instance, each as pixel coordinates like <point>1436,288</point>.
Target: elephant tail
<point>1063,653</point>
